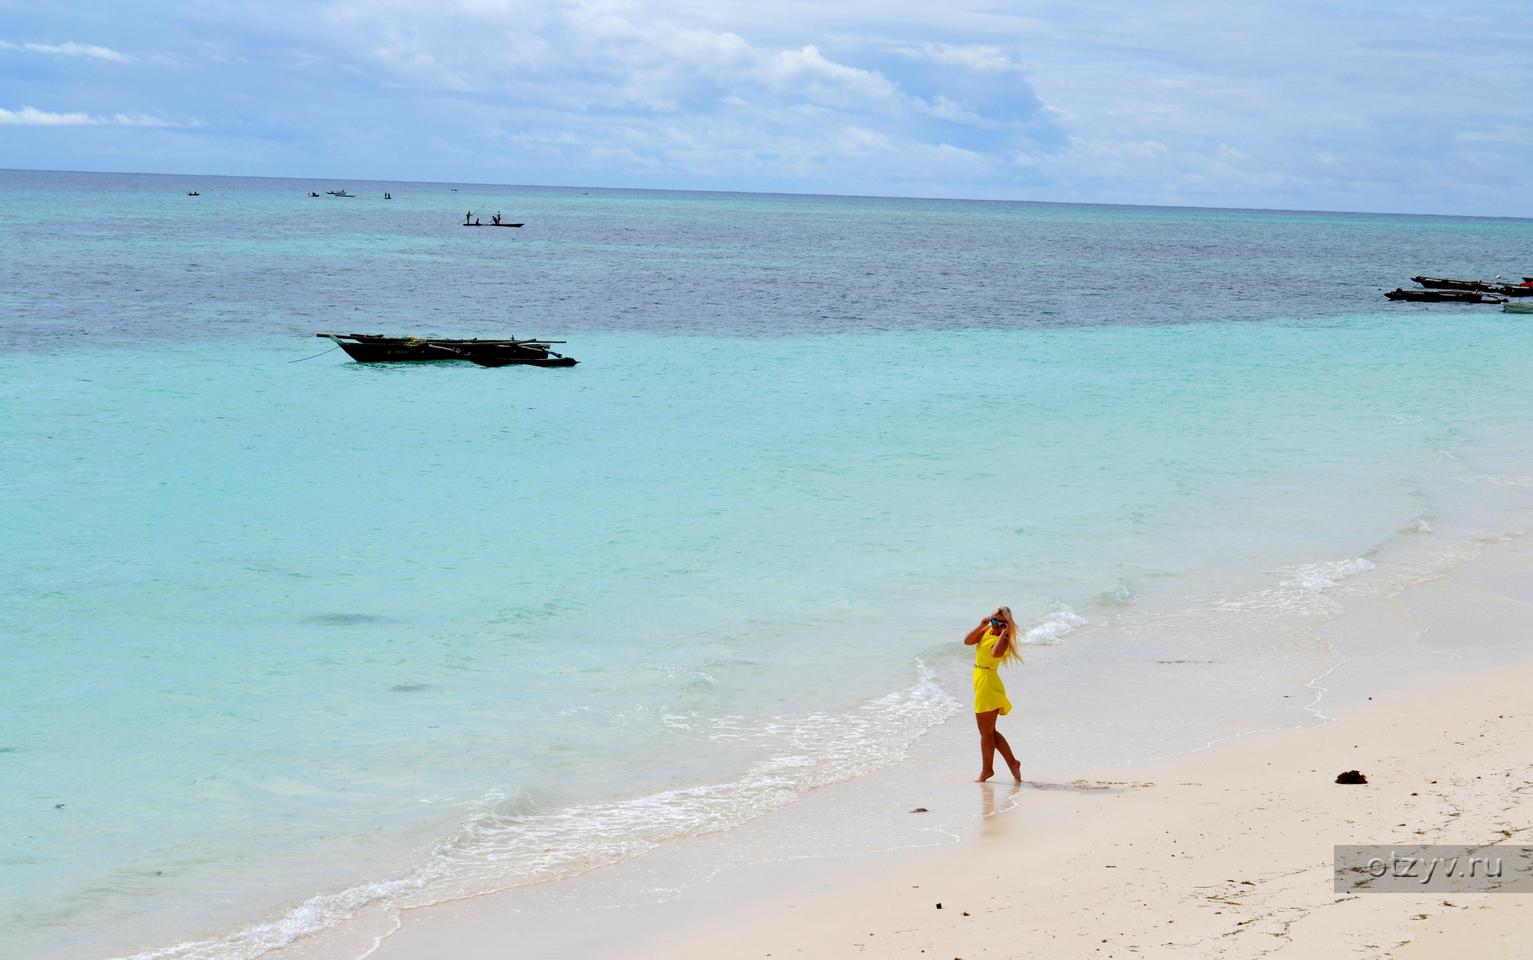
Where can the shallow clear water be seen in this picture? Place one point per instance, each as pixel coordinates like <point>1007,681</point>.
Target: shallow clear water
<point>276,629</point>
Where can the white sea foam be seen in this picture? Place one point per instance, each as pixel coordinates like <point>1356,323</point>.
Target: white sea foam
<point>507,845</point>
<point>1054,627</point>
<point>1318,577</point>
<point>1300,588</point>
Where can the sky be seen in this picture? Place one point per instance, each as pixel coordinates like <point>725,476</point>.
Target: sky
<point>1423,107</point>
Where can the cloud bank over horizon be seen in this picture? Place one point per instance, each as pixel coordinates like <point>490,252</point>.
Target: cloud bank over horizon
<point>1371,107</point>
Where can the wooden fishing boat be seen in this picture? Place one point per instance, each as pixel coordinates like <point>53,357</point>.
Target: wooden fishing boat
<point>1502,288</point>
<point>1517,308</point>
<point>1444,296</point>
<point>1446,283</point>
<point>377,348</point>
<point>476,224</point>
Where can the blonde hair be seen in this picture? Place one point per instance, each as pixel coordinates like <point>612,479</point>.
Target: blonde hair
<point>1013,652</point>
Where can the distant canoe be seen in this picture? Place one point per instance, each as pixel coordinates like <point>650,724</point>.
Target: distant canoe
<point>493,224</point>
<point>1444,296</point>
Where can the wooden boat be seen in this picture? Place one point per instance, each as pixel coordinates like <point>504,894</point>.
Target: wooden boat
<point>477,224</point>
<point>376,348</point>
<point>1524,289</point>
<point>1444,296</point>
<point>1445,283</point>
<point>1517,308</point>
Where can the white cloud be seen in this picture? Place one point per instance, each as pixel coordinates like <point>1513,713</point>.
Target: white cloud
<point>944,109</point>
<point>1119,149</point>
<point>68,49</point>
<point>808,72</point>
<point>33,117</point>
<point>981,58</point>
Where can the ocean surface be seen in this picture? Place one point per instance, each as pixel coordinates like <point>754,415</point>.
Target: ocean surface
<point>287,638</point>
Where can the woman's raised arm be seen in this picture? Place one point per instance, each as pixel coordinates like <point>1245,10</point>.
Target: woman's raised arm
<point>973,636</point>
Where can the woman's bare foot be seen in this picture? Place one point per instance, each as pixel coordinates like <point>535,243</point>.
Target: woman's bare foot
<point>1016,770</point>
<point>984,775</point>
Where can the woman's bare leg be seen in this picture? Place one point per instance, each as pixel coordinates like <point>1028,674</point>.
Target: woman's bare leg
<point>1008,756</point>
<point>986,722</point>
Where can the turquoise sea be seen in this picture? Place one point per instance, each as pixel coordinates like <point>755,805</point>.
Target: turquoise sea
<point>286,637</point>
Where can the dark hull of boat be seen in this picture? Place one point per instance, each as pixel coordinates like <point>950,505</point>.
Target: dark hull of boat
<point>492,224</point>
<point>490,360</point>
<point>398,352</point>
<point>1444,296</point>
<point>375,348</point>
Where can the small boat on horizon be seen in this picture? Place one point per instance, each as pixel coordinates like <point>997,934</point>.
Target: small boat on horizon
<point>377,348</point>
<point>1517,308</point>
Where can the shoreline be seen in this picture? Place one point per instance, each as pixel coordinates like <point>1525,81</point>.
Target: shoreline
<point>836,830</point>
<point>1261,797</point>
<point>1226,853</point>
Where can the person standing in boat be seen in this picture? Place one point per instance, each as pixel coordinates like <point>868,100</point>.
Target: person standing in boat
<point>995,645</point>
<point>468,218</point>
<point>496,219</point>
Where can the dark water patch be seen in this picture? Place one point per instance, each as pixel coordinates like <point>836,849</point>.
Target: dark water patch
<point>740,264</point>
<point>8,750</point>
<point>409,687</point>
<point>344,619</point>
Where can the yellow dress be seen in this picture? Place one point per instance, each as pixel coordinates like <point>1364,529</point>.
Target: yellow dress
<point>989,691</point>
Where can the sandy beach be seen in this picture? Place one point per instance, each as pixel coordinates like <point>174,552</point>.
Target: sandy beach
<point>1226,852</point>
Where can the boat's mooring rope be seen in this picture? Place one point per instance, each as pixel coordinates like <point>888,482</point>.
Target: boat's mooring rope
<point>319,354</point>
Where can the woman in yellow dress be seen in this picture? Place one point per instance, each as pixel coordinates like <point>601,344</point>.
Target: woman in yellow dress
<point>995,644</point>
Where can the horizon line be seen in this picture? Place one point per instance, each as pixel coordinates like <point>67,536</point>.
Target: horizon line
<point>779,193</point>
